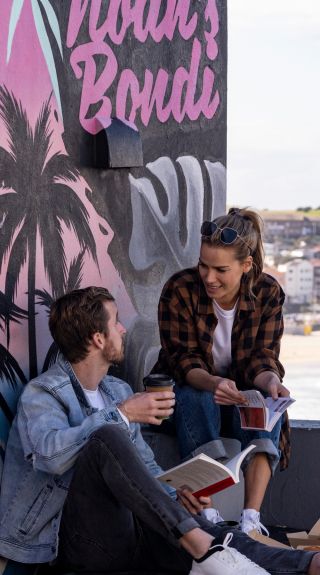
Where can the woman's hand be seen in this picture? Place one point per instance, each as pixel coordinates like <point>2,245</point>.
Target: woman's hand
<point>269,382</point>
<point>226,392</point>
<point>193,504</point>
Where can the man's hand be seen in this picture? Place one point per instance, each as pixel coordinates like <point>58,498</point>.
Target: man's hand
<point>148,407</point>
<point>269,382</point>
<point>190,502</point>
<point>226,392</point>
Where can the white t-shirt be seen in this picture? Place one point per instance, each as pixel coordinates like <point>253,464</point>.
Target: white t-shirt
<point>95,399</point>
<point>221,347</point>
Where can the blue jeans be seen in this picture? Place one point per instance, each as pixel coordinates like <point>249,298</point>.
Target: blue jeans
<point>199,420</point>
<point>118,517</point>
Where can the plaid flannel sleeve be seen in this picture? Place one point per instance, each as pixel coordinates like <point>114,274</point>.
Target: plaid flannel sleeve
<point>265,354</point>
<point>180,350</point>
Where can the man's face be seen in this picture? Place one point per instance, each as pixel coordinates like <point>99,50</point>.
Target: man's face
<point>114,343</point>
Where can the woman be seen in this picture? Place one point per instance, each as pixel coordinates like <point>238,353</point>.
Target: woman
<point>220,327</point>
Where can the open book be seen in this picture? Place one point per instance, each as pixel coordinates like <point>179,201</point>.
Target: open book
<point>205,475</point>
<point>262,412</point>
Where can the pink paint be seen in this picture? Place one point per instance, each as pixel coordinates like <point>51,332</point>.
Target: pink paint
<point>176,17</point>
<point>211,15</point>
<point>153,93</point>
<point>144,95</point>
<point>26,75</point>
<point>94,89</point>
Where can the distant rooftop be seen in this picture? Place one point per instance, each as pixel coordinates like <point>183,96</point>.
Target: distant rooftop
<point>289,215</point>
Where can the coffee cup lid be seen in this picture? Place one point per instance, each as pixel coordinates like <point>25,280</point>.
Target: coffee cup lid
<point>160,379</point>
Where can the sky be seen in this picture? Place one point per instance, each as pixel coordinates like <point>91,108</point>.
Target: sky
<point>273,103</point>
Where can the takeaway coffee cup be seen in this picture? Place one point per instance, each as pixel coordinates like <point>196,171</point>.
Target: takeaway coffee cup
<point>158,382</point>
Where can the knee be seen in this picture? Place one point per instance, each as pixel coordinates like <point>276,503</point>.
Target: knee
<point>109,433</point>
<point>188,395</point>
<point>314,568</point>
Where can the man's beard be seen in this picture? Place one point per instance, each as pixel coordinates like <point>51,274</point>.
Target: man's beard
<point>113,355</point>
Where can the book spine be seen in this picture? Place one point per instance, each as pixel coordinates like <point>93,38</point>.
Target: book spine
<point>214,488</point>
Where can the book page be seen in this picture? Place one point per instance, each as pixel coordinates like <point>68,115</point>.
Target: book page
<point>280,404</point>
<point>253,397</point>
<point>197,473</point>
<point>252,417</point>
<point>234,463</point>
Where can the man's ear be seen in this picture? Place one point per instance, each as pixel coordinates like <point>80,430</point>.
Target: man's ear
<point>247,264</point>
<point>98,339</point>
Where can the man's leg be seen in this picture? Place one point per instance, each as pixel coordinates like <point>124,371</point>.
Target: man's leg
<point>277,561</point>
<point>111,502</point>
<point>117,516</point>
<point>258,466</point>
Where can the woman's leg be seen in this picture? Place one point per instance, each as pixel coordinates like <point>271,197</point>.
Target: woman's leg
<point>197,421</point>
<point>261,463</point>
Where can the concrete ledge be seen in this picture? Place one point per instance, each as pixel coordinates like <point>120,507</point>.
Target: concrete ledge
<point>293,496</point>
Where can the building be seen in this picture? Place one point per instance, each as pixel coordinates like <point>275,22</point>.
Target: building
<point>316,279</point>
<point>289,225</point>
<point>299,281</point>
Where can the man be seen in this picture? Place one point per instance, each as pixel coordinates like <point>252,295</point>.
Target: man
<point>75,420</point>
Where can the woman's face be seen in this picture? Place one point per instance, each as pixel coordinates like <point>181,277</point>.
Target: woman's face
<point>221,273</point>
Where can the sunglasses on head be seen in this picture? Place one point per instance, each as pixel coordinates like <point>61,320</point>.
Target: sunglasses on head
<point>227,235</point>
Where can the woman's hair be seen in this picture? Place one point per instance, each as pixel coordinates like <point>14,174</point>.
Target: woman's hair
<point>248,225</point>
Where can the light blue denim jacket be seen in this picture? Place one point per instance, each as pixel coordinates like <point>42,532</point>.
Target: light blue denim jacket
<point>53,423</point>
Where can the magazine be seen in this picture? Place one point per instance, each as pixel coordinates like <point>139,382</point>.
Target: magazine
<point>262,412</point>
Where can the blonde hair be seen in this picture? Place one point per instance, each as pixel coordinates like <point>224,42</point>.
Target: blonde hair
<point>249,226</point>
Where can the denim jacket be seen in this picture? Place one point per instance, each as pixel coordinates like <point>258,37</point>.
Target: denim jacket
<point>53,423</point>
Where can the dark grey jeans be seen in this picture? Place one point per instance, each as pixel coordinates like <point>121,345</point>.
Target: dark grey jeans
<point>118,517</point>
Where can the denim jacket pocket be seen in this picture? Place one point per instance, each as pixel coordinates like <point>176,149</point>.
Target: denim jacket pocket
<point>36,510</point>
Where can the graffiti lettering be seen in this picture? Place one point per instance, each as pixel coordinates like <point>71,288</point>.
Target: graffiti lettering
<point>176,15</point>
<point>152,95</point>
<point>160,93</point>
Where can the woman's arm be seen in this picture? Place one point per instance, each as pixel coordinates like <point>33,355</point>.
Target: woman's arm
<point>224,390</point>
<point>266,347</point>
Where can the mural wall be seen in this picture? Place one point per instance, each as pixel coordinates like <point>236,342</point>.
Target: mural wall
<point>66,69</point>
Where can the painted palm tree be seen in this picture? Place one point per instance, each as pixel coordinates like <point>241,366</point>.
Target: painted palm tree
<point>35,199</point>
<point>73,281</point>
<point>10,370</point>
<point>43,14</point>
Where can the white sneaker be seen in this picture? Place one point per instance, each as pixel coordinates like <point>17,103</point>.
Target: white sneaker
<point>250,520</point>
<point>226,561</point>
<point>212,515</point>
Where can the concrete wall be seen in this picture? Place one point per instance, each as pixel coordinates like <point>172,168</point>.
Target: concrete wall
<point>66,69</point>
<point>293,496</point>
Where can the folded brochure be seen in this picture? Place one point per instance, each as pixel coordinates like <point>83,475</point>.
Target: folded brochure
<point>204,475</point>
<point>262,412</point>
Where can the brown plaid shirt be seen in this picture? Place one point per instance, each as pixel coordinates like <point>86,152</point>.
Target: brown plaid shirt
<point>187,322</point>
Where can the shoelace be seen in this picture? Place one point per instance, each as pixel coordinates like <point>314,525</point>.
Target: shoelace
<point>233,556</point>
<point>257,525</point>
<point>261,528</point>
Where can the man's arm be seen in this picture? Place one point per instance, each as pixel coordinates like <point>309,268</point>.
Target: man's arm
<point>48,437</point>
<point>148,407</point>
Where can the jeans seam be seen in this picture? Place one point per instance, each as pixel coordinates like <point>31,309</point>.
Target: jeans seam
<point>169,525</point>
